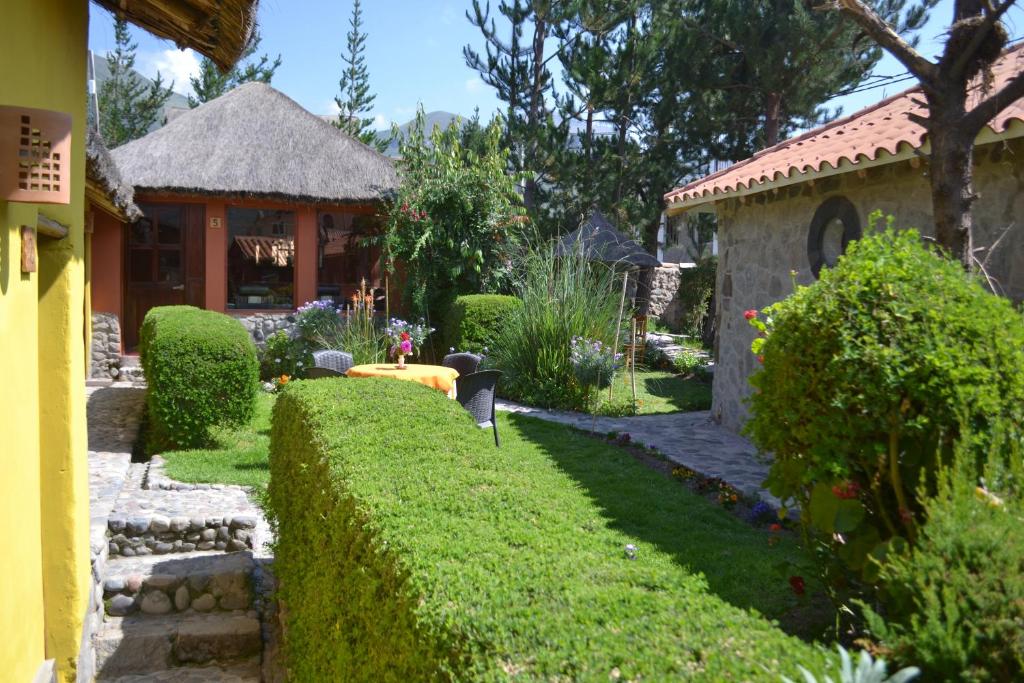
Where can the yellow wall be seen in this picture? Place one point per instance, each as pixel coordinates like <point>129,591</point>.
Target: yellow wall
<point>44,498</point>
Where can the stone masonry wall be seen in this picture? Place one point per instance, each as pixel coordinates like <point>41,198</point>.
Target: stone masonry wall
<point>262,325</point>
<point>664,301</point>
<point>762,241</point>
<point>106,345</point>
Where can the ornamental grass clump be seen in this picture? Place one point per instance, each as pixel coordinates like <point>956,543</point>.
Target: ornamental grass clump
<point>563,298</point>
<point>868,377</point>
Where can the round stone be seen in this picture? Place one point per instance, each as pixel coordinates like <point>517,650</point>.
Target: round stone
<point>222,534</point>
<point>220,545</point>
<point>188,547</point>
<point>179,524</point>
<point>162,548</point>
<point>113,584</point>
<point>204,603</point>
<point>159,524</point>
<point>208,535</point>
<point>181,599</point>
<point>155,602</point>
<point>120,605</point>
<point>196,523</point>
<point>235,545</point>
<point>137,525</point>
<point>243,522</point>
<point>133,583</point>
<point>128,551</point>
<point>205,545</point>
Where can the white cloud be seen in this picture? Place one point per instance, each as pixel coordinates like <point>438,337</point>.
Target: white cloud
<point>474,84</point>
<point>332,107</point>
<point>173,65</point>
<point>381,122</point>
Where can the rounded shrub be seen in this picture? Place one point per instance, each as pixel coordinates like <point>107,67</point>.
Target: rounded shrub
<point>201,370</point>
<point>473,320</point>
<point>868,376</point>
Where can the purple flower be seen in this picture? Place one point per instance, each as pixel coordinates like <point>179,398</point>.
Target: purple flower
<point>406,346</point>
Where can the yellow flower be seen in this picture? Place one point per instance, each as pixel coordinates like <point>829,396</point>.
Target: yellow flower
<point>284,379</point>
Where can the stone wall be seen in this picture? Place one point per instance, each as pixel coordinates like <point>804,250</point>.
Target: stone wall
<point>664,300</point>
<point>262,325</point>
<point>762,241</point>
<point>106,346</point>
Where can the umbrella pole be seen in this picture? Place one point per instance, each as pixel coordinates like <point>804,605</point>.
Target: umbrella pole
<point>618,327</point>
<point>632,361</point>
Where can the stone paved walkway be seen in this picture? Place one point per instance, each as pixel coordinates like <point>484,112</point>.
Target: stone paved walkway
<point>689,439</point>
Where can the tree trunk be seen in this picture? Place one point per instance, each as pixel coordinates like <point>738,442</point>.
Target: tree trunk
<point>772,114</point>
<point>950,173</point>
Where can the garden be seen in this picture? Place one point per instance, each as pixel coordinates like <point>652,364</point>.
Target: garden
<point>890,393</point>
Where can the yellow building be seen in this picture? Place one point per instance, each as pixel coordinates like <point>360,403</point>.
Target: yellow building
<point>45,582</point>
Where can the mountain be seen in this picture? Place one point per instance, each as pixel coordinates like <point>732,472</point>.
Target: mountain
<point>174,105</point>
<point>442,119</point>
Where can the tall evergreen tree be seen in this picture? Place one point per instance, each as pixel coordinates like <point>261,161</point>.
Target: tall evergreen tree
<point>128,106</point>
<point>355,99</point>
<point>211,83</point>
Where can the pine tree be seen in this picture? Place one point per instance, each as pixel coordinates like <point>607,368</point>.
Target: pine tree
<point>212,83</point>
<point>355,98</point>
<point>128,107</point>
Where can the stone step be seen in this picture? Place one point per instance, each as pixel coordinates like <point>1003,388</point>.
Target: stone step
<point>244,672</point>
<point>158,534</point>
<point>188,583</point>
<point>139,645</point>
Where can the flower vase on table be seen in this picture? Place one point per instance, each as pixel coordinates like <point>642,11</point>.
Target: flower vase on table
<point>401,361</point>
<point>405,338</point>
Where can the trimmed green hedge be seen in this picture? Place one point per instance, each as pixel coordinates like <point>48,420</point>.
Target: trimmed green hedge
<point>473,320</point>
<point>201,370</point>
<point>409,548</point>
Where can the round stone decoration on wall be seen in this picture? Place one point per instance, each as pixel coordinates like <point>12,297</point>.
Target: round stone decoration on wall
<point>834,226</point>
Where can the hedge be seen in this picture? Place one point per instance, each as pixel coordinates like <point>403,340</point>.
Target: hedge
<point>409,548</point>
<point>201,370</point>
<point>473,320</point>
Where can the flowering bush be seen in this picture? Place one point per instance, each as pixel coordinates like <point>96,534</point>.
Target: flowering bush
<point>593,363</point>
<point>406,338</point>
<point>282,355</point>
<point>316,319</point>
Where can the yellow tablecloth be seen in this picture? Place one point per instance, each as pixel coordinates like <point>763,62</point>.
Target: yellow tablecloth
<point>436,376</point>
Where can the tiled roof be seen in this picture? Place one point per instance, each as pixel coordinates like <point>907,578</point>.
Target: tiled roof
<point>874,134</point>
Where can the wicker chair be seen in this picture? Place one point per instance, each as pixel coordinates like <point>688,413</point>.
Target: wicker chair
<point>339,361</point>
<point>465,363</point>
<point>317,372</point>
<point>475,392</point>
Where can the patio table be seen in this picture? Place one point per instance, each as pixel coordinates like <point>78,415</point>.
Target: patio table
<point>436,376</point>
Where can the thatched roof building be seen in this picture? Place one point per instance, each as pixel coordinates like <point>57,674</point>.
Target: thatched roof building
<point>220,29</point>
<point>599,240</point>
<point>104,185</point>
<point>257,142</point>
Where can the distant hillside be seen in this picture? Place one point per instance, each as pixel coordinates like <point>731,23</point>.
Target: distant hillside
<point>175,103</point>
<point>442,119</point>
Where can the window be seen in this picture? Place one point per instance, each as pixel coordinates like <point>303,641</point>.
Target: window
<point>835,224</point>
<point>343,259</point>
<point>261,258</point>
<point>154,246</point>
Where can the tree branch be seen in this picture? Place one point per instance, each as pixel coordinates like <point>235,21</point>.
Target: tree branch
<point>986,110</point>
<point>884,35</point>
<point>967,54</point>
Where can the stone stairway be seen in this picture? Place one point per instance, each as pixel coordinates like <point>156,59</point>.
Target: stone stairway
<point>181,571</point>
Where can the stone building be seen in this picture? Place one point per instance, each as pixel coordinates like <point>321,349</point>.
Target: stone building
<point>794,207</point>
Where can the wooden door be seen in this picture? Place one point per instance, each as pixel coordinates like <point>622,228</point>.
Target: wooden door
<point>163,263</point>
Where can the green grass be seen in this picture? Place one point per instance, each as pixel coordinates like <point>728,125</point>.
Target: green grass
<point>410,544</point>
<point>657,391</point>
<point>237,456</point>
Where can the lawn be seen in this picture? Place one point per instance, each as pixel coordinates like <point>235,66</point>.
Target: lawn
<point>657,391</point>
<point>237,456</point>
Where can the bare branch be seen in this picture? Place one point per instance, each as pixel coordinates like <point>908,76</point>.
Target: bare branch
<point>986,110</point>
<point>883,34</point>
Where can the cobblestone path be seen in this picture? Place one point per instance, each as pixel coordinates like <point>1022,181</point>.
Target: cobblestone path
<point>690,439</point>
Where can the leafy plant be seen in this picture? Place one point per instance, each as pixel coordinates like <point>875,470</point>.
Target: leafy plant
<point>696,288</point>
<point>688,362</point>
<point>456,219</point>
<point>360,334</point>
<point>869,670</point>
<point>473,320</point>
<point>954,603</point>
<point>315,319</point>
<point>201,371</point>
<point>283,355</point>
<point>593,363</point>
<point>867,377</point>
<point>563,298</point>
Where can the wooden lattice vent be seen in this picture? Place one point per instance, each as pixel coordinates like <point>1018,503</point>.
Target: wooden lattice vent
<point>35,155</point>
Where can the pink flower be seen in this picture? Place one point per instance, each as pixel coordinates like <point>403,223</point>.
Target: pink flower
<point>405,346</point>
<point>775,528</point>
<point>750,314</point>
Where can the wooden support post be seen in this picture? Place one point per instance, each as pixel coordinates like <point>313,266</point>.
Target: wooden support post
<point>632,361</point>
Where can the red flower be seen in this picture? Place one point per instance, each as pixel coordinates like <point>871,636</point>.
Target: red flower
<point>797,584</point>
<point>750,314</point>
<point>846,491</point>
<point>760,359</point>
<point>405,207</point>
<point>405,336</point>
<point>423,215</point>
<point>775,528</point>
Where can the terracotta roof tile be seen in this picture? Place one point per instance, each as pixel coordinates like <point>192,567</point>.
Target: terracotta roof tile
<point>865,135</point>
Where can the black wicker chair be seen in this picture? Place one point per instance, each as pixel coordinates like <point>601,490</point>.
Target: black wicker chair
<point>339,361</point>
<point>465,363</point>
<point>317,372</point>
<point>475,391</point>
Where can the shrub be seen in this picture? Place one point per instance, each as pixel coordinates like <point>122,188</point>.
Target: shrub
<point>696,288</point>
<point>201,370</point>
<point>283,355</point>
<point>410,549</point>
<point>563,297</point>
<point>954,604</point>
<point>688,362</point>
<point>867,375</point>
<point>315,319</point>
<point>473,320</point>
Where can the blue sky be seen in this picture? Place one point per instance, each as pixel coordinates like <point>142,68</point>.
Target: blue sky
<point>414,53</point>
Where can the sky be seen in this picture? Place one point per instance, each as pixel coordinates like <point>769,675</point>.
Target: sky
<point>413,52</point>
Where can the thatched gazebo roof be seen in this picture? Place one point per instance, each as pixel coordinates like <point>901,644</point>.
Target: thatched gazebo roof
<point>219,29</point>
<point>104,185</point>
<point>599,240</point>
<point>257,142</point>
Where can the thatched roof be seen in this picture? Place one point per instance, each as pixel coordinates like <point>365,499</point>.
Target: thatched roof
<point>220,29</point>
<point>256,142</point>
<point>103,180</point>
<point>599,240</point>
